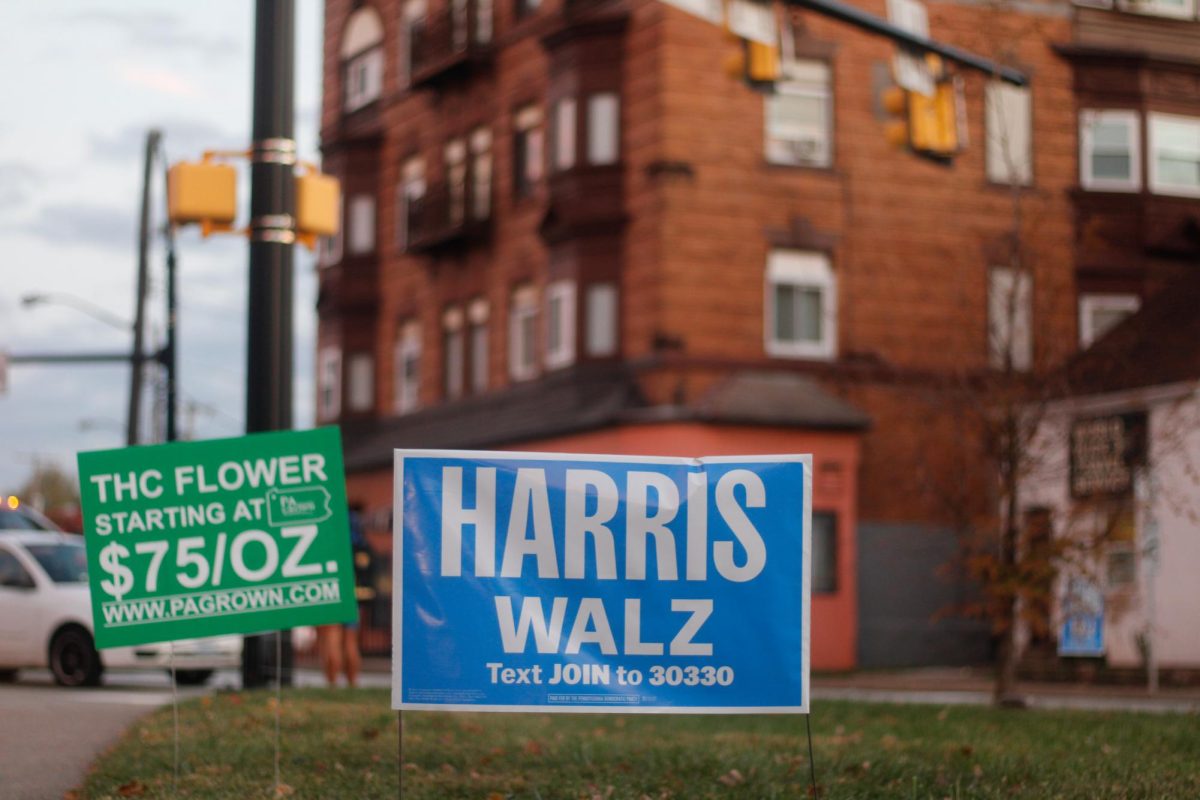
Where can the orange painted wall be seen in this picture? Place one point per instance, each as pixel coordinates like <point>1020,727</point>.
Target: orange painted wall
<point>835,467</point>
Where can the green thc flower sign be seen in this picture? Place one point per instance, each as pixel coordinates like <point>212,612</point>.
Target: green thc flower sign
<point>223,536</point>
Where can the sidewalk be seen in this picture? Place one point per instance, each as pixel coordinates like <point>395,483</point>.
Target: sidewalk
<point>970,686</point>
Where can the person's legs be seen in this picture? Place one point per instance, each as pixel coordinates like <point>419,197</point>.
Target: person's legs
<point>329,639</point>
<point>352,654</point>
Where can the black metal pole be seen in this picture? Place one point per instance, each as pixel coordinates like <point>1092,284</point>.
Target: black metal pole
<point>170,356</point>
<point>272,234</point>
<point>136,357</point>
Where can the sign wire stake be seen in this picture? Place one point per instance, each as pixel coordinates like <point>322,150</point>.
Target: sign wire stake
<point>175,713</point>
<point>400,754</point>
<point>278,700</point>
<point>812,766</point>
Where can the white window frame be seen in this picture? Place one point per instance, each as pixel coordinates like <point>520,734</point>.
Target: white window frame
<point>809,80</point>
<point>329,383</point>
<point>560,343</point>
<point>331,246</point>
<point>411,187</point>
<point>522,334</point>
<point>360,225</point>
<point>1155,181</point>
<point>528,123</point>
<point>565,120</point>
<point>1010,327</point>
<point>481,174</point>
<point>809,270</point>
<point>454,163</point>
<point>1156,8</point>
<point>603,315</point>
<point>365,68</point>
<point>454,354</point>
<point>360,380</point>
<point>414,16</point>
<point>478,345</point>
<point>604,128</point>
<point>407,393</point>
<point>1089,304</point>
<point>1009,140</point>
<point>1132,120</point>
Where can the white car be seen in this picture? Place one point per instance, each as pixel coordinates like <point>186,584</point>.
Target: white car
<point>46,614</point>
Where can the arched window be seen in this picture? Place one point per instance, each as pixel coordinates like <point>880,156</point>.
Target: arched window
<point>362,59</point>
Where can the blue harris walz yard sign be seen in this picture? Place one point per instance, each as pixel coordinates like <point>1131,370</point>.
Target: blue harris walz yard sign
<point>536,582</point>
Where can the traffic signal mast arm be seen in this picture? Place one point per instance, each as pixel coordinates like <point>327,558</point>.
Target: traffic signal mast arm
<point>861,19</point>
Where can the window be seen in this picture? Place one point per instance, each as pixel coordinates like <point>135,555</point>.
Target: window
<point>564,134</point>
<point>12,574</point>
<point>455,154</point>
<point>329,383</point>
<point>1009,134</point>
<point>481,174</point>
<point>527,7</point>
<point>522,332</point>
<point>1183,9</point>
<point>477,316</point>
<point>362,58</point>
<point>1175,155</point>
<point>527,150</point>
<point>798,117</point>
<point>360,233</point>
<point>453,355</point>
<point>360,393</point>
<point>601,319</point>
<point>801,304</point>
<point>408,198</point>
<point>824,552</point>
<point>407,392</point>
<point>560,324</point>
<point>483,21</point>
<point>331,246</point>
<point>412,30</point>
<point>1109,157</point>
<point>1010,336</point>
<point>1100,313</point>
<point>604,128</point>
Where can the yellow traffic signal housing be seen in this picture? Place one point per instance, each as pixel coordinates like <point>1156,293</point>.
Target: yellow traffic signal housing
<point>317,201</point>
<point>755,63</point>
<point>926,124</point>
<point>202,192</point>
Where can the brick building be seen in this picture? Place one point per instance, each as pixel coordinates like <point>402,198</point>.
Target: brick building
<point>567,229</point>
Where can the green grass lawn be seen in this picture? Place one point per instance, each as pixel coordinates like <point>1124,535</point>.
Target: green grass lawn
<point>342,744</point>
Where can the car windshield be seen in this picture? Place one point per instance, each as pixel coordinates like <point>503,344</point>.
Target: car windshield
<point>64,562</point>
<point>15,520</point>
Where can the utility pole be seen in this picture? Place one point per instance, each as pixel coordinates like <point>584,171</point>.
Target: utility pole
<point>139,304</point>
<point>272,234</point>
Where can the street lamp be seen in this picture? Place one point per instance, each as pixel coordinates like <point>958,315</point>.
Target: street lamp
<point>79,304</point>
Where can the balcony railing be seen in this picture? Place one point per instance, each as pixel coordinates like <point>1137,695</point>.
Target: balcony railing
<point>449,214</point>
<point>452,40</point>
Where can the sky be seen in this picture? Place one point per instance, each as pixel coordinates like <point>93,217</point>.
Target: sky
<point>84,81</point>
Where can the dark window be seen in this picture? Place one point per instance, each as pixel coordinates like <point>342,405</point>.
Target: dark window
<point>64,563</point>
<point>824,552</point>
<point>12,574</point>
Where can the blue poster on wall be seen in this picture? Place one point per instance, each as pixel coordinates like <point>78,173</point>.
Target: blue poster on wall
<point>1082,631</point>
<point>539,582</point>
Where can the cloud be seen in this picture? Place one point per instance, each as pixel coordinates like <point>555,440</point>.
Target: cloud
<point>83,224</point>
<point>160,30</point>
<point>182,138</point>
<point>158,79</point>
<point>16,181</point>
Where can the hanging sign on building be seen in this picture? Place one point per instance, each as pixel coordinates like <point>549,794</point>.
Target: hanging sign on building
<point>221,536</point>
<point>537,582</point>
<point>1082,632</point>
<point>1104,452</point>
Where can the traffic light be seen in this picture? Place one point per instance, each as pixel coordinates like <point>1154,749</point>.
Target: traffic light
<point>755,63</point>
<point>203,192</point>
<point>317,201</point>
<point>928,125</point>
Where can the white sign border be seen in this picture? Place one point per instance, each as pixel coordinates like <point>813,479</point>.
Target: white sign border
<point>399,454</point>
